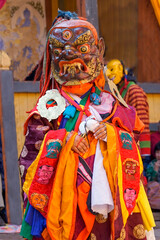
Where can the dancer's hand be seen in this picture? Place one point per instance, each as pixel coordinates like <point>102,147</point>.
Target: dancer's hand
<point>100,132</point>
<point>80,145</point>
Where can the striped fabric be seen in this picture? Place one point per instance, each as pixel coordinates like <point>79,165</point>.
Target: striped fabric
<point>136,97</point>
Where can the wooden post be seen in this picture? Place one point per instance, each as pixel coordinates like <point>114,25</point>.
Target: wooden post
<point>9,148</point>
<point>89,10</point>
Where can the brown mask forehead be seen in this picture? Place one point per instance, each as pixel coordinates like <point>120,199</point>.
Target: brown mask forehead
<point>77,36</point>
<point>76,23</point>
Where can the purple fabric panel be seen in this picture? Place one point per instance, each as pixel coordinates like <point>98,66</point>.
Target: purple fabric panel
<point>90,162</point>
<point>35,134</point>
<point>101,230</point>
<point>79,224</point>
<point>118,222</point>
<point>37,128</point>
<point>127,116</point>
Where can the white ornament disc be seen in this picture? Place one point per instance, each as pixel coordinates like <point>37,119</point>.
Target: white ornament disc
<point>52,112</point>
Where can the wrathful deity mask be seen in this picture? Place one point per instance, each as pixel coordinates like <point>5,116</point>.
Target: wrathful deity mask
<point>76,53</point>
<point>115,71</point>
<point>45,173</point>
<point>39,201</point>
<point>129,197</point>
<point>130,168</point>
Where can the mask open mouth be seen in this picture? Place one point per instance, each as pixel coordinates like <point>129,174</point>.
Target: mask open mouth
<point>73,67</point>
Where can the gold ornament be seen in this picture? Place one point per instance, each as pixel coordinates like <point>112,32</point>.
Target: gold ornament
<point>92,236</point>
<point>123,233</point>
<point>139,231</point>
<point>55,42</point>
<point>100,218</point>
<point>116,212</point>
<point>84,38</point>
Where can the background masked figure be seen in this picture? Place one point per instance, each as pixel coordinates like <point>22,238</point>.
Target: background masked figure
<point>84,136</point>
<point>136,97</point>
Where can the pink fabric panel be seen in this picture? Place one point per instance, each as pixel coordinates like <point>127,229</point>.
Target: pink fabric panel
<point>2,2</point>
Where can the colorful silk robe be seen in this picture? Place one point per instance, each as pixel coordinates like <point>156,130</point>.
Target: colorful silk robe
<point>68,212</point>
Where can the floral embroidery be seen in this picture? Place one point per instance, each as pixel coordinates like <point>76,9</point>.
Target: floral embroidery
<point>24,152</point>
<point>27,132</point>
<point>42,128</point>
<point>21,168</point>
<point>38,144</point>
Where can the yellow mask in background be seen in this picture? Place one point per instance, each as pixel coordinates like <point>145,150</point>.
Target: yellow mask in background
<point>115,70</point>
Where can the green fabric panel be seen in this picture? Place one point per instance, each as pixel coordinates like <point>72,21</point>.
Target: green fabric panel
<point>144,144</point>
<point>98,91</point>
<point>126,89</point>
<point>26,228</point>
<point>70,125</point>
<point>71,122</point>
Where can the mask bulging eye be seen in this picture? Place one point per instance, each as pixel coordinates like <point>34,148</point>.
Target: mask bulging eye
<point>57,52</point>
<point>84,48</point>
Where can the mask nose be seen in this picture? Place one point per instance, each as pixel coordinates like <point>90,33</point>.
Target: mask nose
<point>69,52</point>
